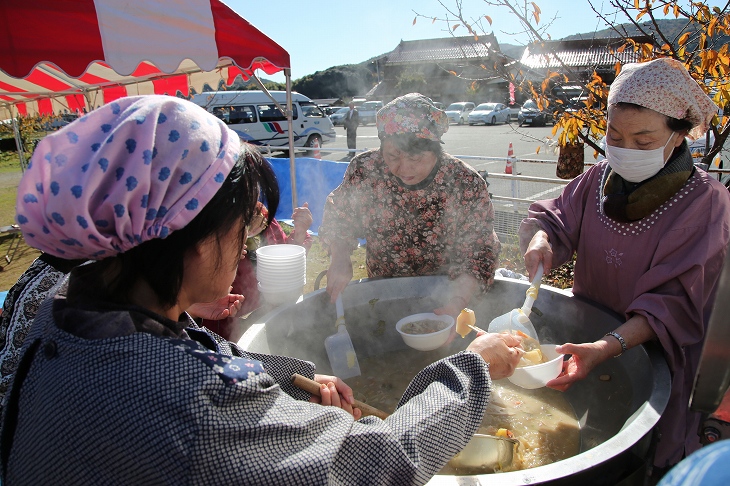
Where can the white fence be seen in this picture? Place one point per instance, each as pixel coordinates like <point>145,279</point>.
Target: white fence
<point>512,194</point>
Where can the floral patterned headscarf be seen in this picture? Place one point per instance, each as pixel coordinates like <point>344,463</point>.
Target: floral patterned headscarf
<point>665,86</point>
<point>412,113</point>
<point>131,171</point>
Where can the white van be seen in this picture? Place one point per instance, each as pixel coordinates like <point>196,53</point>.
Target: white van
<point>258,121</point>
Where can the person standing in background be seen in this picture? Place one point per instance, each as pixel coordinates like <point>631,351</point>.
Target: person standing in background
<point>352,120</point>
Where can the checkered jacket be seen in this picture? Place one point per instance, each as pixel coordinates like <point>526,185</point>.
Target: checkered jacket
<point>143,409</point>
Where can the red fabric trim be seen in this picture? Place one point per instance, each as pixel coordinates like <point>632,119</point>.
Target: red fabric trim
<point>45,107</point>
<point>12,89</point>
<point>22,109</point>
<point>171,86</point>
<point>92,79</point>
<point>114,93</point>
<point>63,32</point>
<point>233,72</point>
<point>145,69</point>
<point>48,82</point>
<point>75,103</point>
<point>230,29</point>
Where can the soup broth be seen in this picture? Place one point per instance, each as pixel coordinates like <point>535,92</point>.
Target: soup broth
<point>426,326</point>
<point>542,420</point>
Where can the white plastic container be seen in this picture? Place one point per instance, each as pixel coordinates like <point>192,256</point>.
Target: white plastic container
<point>429,341</point>
<point>281,297</point>
<point>281,270</point>
<point>280,252</point>
<point>536,376</point>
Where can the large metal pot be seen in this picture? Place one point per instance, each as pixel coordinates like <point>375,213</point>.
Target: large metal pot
<point>617,417</point>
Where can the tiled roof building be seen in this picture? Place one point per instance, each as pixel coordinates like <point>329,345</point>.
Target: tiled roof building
<point>448,66</point>
<point>579,58</point>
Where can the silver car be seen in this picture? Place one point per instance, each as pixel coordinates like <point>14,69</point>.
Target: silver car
<point>490,114</point>
<point>458,112</point>
<point>338,117</point>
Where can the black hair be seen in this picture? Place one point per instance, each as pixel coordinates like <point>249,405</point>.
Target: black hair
<point>674,124</point>
<point>411,144</point>
<point>160,262</point>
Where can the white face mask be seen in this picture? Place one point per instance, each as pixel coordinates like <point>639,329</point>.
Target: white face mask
<point>636,165</point>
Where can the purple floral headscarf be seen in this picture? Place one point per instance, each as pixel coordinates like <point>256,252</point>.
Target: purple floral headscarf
<point>665,86</point>
<point>130,171</point>
<point>412,113</point>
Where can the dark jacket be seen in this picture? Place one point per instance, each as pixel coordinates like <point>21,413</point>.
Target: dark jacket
<point>351,123</point>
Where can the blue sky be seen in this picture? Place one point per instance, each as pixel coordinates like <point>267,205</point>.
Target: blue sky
<point>325,33</point>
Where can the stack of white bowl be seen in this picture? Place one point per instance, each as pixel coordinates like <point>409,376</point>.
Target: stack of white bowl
<point>282,272</point>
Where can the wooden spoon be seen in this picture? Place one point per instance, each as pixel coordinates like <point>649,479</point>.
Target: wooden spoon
<point>313,387</point>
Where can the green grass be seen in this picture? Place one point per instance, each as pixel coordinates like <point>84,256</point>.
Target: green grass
<point>9,162</point>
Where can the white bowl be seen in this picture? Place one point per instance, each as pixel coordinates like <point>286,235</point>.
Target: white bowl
<point>277,283</point>
<point>536,376</point>
<point>280,252</point>
<point>283,297</point>
<point>425,342</point>
<point>288,273</point>
<point>280,287</point>
<point>278,266</point>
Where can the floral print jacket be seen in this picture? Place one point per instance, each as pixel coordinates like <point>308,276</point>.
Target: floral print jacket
<point>441,226</point>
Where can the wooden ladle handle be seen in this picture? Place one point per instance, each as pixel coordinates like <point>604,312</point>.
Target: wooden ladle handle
<point>313,387</point>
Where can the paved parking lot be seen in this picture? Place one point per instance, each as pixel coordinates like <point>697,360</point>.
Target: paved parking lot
<point>480,140</point>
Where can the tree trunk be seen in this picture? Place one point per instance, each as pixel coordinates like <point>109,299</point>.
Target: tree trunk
<point>570,161</point>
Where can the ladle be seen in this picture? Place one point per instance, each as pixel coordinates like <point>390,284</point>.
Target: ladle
<point>519,319</point>
<point>340,350</point>
<point>313,387</point>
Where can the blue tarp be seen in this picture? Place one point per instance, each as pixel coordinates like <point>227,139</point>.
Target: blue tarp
<point>315,179</point>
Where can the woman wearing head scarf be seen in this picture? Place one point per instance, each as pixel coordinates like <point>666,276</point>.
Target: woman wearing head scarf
<point>422,211</point>
<point>650,231</point>
<point>116,385</point>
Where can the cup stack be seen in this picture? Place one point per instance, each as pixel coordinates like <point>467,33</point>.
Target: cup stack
<point>281,271</point>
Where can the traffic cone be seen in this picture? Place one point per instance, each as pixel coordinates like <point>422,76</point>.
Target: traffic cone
<point>315,146</point>
<point>510,156</point>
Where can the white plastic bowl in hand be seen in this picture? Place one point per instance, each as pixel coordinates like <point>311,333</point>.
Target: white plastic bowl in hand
<point>536,376</point>
<point>425,341</point>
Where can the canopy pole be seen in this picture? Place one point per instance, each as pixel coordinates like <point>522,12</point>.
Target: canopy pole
<point>290,127</point>
<point>292,156</point>
<point>18,140</point>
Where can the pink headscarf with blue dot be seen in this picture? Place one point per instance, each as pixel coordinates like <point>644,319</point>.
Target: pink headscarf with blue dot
<point>131,171</point>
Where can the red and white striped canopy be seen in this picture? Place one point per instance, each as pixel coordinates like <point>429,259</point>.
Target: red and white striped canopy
<point>58,55</point>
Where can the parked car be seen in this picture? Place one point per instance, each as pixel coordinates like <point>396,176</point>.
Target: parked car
<point>459,112</point>
<point>489,114</point>
<point>328,110</point>
<point>514,111</point>
<point>438,105</point>
<point>338,117</point>
<point>530,114</point>
<point>368,110</point>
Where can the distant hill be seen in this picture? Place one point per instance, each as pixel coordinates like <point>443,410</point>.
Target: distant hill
<point>343,81</point>
<point>512,51</point>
